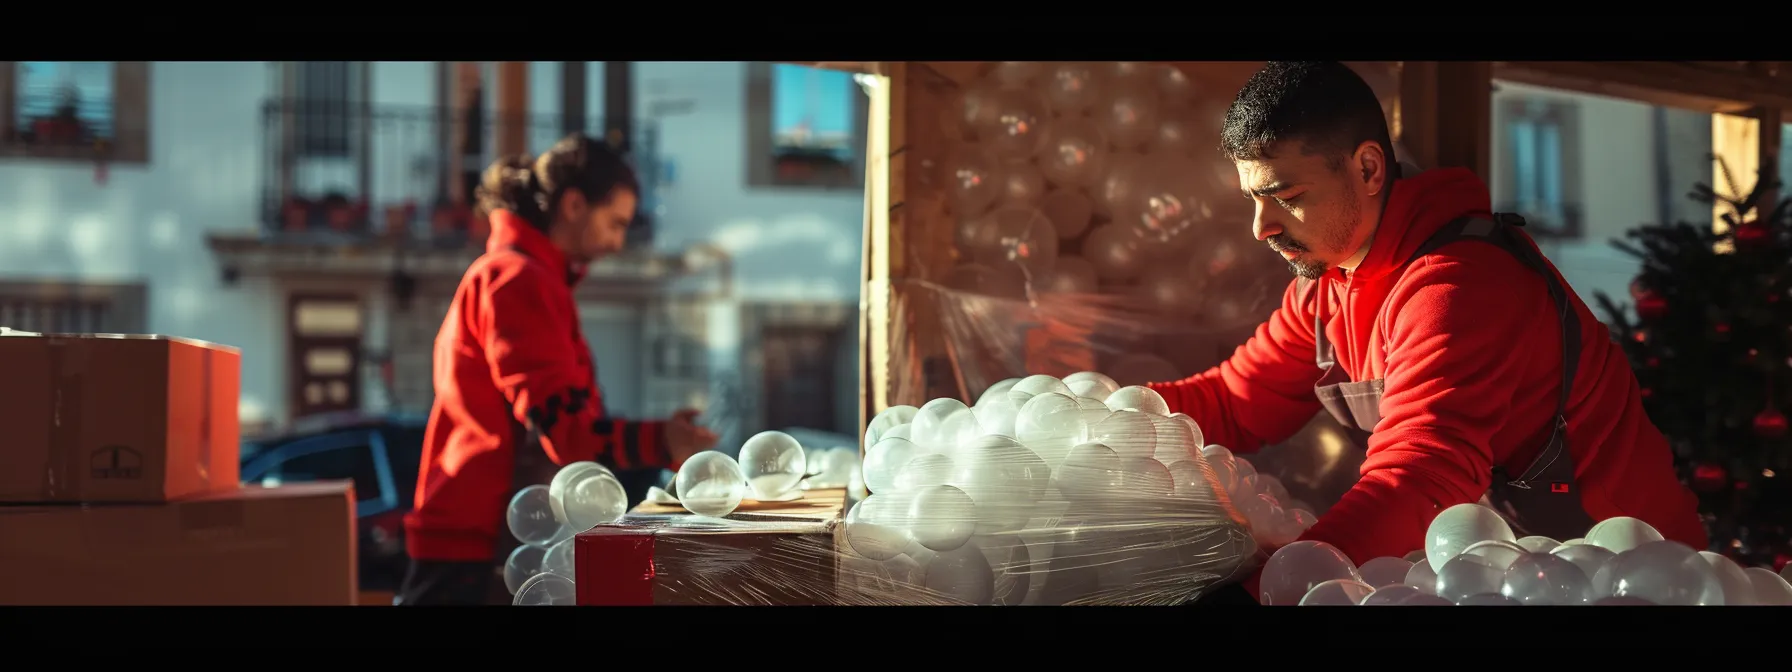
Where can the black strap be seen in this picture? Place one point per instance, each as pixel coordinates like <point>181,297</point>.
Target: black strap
<point>1502,231</point>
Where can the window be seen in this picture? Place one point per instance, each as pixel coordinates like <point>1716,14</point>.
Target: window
<point>806,127</point>
<point>1541,166</point>
<point>54,307</point>
<point>325,91</point>
<point>82,110</point>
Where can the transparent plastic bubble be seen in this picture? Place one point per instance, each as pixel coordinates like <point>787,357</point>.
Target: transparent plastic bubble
<point>999,390</point>
<point>1017,73</point>
<point>1389,596</point>
<point>1384,572</point>
<point>1074,153</point>
<point>1174,88</point>
<point>568,475</point>
<point>1738,590</point>
<point>1129,433</point>
<point>1173,197</point>
<point>1035,385</point>
<point>1535,544</point>
<point>1621,534</point>
<point>1140,398</point>
<point>1225,474</point>
<point>962,574</point>
<point>1466,575</point>
<point>531,517</point>
<point>1128,116</point>
<point>1011,561</point>
<point>1337,593</point>
<point>1089,384</point>
<point>711,484</point>
<point>1499,554</point>
<point>1589,558</point>
<point>1174,136</point>
<point>1302,519</point>
<point>924,471</point>
<point>1663,572</point>
<point>1488,600</point>
<point>1422,578</point>
<point>559,559</point>
<point>1459,527</point>
<point>547,590</point>
<point>890,418</point>
<point>1022,239</point>
<point>1541,579</point>
<point>773,464</point>
<point>1121,176</point>
<point>1115,252</point>
<point>1245,469</point>
<point>901,432</point>
<point>1176,439</point>
<point>1622,602</point>
<point>1033,414</point>
<point>1004,478</point>
<point>1072,88</point>
<point>1069,211</point>
<point>975,181</point>
<point>596,498</point>
<point>933,423</point>
<point>1295,569</point>
<point>1272,486</point>
<point>885,459</point>
<point>1012,129</point>
<point>1022,184</point>
<point>1090,469</point>
<point>522,564</point>
<point>943,517</point>
<point>874,527</point>
<point>997,416</point>
<point>1190,481</point>
<point>1770,589</point>
<point>1415,556</point>
<point>1146,478</point>
<point>1426,601</point>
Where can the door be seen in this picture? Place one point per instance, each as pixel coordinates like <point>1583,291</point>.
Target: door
<point>325,344</point>
<point>799,375</point>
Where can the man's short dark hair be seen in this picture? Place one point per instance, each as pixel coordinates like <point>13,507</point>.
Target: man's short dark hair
<point>1322,106</point>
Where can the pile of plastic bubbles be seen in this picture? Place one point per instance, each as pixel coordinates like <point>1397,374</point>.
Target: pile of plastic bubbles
<point>772,467</point>
<point>1046,491</point>
<point>1471,558</point>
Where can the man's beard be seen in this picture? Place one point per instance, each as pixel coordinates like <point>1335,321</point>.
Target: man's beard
<point>1336,239</point>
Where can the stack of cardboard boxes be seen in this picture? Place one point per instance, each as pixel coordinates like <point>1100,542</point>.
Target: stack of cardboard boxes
<point>119,484</point>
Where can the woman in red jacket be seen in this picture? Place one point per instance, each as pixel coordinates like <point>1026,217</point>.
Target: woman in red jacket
<point>514,379</point>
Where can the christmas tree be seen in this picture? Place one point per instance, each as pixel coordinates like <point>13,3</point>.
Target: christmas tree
<point>1711,344</point>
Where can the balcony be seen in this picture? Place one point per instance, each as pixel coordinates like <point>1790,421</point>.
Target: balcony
<point>349,188</point>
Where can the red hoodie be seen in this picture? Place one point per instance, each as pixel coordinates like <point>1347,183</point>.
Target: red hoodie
<point>511,368</point>
<point>1469,345</point>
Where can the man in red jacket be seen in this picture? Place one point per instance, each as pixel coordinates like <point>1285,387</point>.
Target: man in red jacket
<point>1420,316</point>
<point>513,375</point>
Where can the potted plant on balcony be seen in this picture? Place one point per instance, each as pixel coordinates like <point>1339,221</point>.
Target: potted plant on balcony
<point>398,220</point>
<point>339,212</point>
<point>295,214</point>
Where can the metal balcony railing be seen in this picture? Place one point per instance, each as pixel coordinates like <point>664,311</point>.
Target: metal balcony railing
<point>338,172</point>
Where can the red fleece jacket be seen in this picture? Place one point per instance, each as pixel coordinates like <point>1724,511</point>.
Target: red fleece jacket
<point>511,362</point>
<point>1469,345</point>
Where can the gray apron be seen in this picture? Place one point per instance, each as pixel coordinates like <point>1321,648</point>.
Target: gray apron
<point>1542,499</point>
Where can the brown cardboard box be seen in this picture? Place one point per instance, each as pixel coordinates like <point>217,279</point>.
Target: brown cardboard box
<point>113,418</point>
<point>290,545</point>
<point>766,553</point>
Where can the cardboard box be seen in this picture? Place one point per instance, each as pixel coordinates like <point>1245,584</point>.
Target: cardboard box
<point>115,418</point>
<point>766,553</point>
<point>290,545</point>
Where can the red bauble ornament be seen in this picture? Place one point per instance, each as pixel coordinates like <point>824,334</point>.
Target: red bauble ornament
<point>1751,234</point>
<point>1651,307</point>
<point>1770,424</point>
<point>1709,478</point>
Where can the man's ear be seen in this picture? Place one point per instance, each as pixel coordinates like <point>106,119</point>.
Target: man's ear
<point>1373,164</point>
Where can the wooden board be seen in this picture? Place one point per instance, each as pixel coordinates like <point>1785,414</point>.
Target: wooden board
<point>821,505</point>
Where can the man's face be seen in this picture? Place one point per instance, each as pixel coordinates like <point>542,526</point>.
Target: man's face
<point>598,229</point>
<point>1315,212</point>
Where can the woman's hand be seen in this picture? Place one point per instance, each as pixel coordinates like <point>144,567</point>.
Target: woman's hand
<point>684,437</point>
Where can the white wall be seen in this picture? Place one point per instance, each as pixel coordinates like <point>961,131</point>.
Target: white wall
<point>148,223</point>
<point>1617,145</point>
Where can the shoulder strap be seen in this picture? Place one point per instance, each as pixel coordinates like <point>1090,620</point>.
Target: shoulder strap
<point>1502,230</point>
